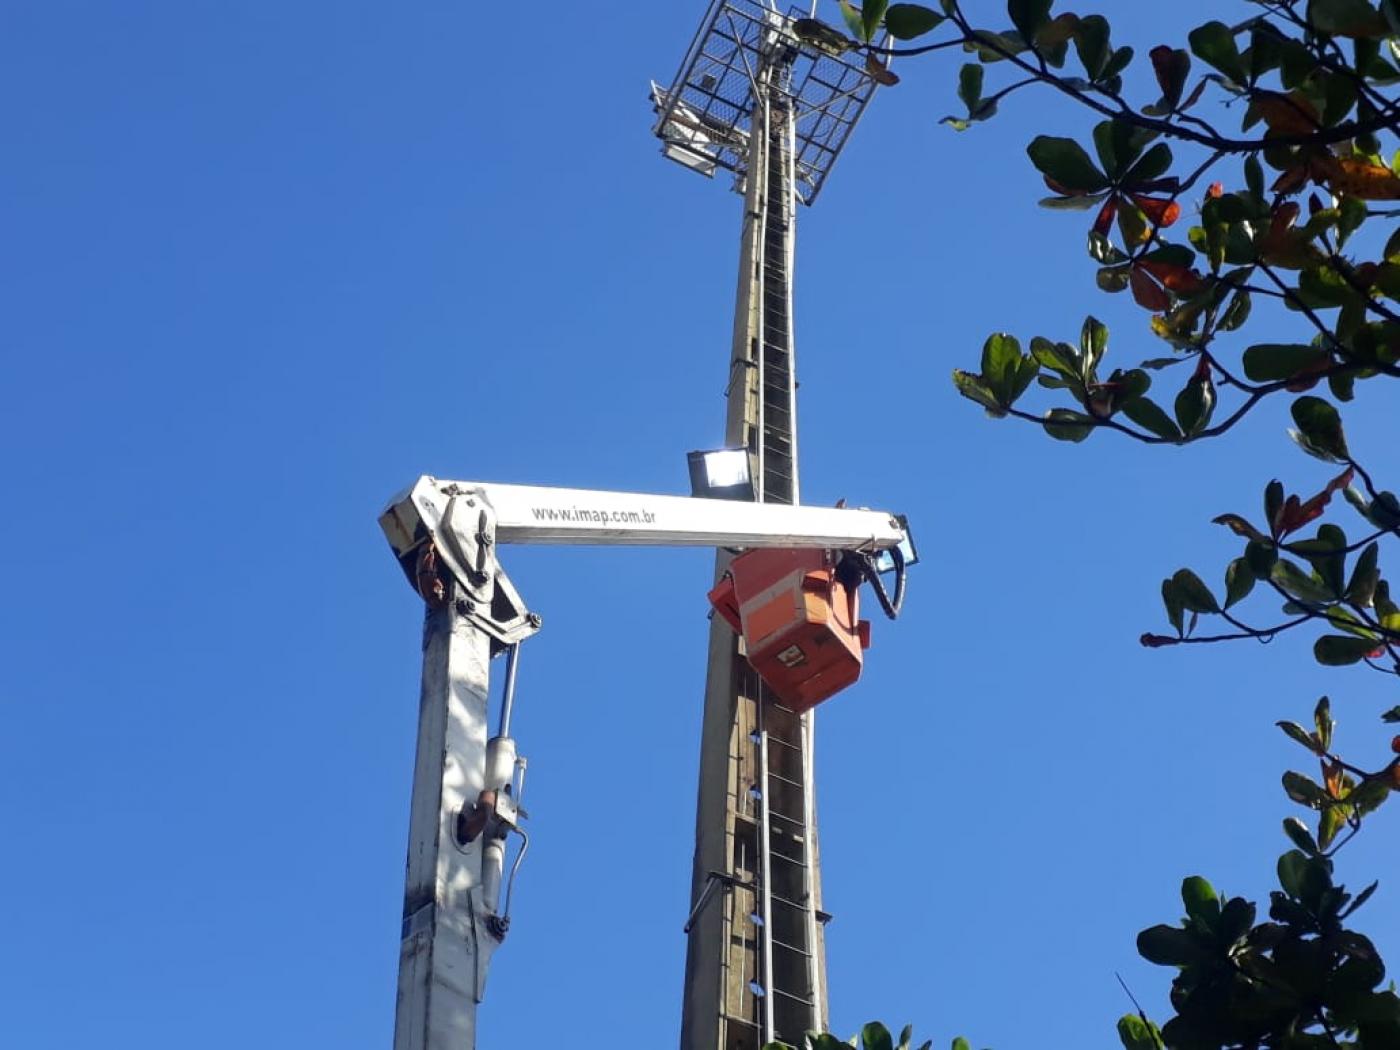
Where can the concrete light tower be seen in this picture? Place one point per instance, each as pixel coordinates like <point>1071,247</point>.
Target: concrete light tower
<point>752,99</point>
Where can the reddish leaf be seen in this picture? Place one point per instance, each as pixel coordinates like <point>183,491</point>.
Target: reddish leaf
<point>1146,291</point>
<point>1308,377</point>
<point>1160,211</point>
<point>1284,216</point>
<point>1176,277</point>
<point>879,72</point>
<point>1332,777</point>
<point>1104,222</point>
<point>1171,67</point>
<point>1295,514</point>
<point>1284,246</point>
<point>1290,114</point>
<point>1357,177</point>
<point>1293,179</point>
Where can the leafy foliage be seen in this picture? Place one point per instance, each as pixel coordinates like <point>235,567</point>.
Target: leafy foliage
<point>1292,215</point>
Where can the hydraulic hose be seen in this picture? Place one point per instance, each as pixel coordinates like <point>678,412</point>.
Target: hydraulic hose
<point>867,571</point>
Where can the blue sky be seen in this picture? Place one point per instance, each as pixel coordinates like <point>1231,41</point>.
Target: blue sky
<point>266,263</point>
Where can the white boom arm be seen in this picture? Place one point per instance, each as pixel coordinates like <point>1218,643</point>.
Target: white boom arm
<point>539,514</point>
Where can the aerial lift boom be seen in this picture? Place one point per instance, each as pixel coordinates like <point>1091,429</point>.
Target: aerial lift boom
<point>468,782</point>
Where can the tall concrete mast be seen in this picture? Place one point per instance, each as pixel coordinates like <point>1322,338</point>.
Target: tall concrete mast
<point>752,99</point>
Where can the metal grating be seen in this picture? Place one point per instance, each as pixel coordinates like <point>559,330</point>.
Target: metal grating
<point>704,117</point>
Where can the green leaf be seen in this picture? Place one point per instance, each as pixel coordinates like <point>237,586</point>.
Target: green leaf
<point>1322,721</point>
<point>1301,837</point>
<point>1117,62</point>
<point>1339,650</point>
<point>1327,557</point>
<point>1129,385</point>
<point>976,389</point>
<point>1392,716</point>
<point>1138,1034</point>
<point>1168,946</point>
<point>1078,203</point>
<point>1064,424</point>
<point>1150,416</point>
<point>1236,920</point>
<point>1171,598</point>
<point>961,1044</point>
<point>1321,427</point>
<point>1303,586</point>
<point>1239,581</point>
<point>1238,526</point>
<point>1093,343</point>
<point>1091,44</point>
<point>1254,177</point>
<point>1385,511</point>
<point>1029,15</point>
<point>970,85</point>
<point>1299,734</point>
<point>1201,901</point>
<point>1236,313</point>
<point>1214,44</point>
<point>1058,357</point>
<point>1065,161</point>
<point>1113,278</point>
<point>1195,405</point>
<point>871,14</point>
<point>1195,595</point>
<point>852,18</point>
<point>876,1036</point>
<point>907,21</point>
<point>1302,877</point>
<point>994,47</point>
<point>1346,17</point>
<point>1152,165</point>
<point>1266,362</point>
<point>1101,249</point>
<point>1273,501</point>
<point>1333,817</point>
<point>1364,577</point>
<point>906,1034</point>
<point>1001,361</point>
<point>1362,898</point>
<point>1304,791</point>
<point>1262,555</point>
<point>1369,795</point>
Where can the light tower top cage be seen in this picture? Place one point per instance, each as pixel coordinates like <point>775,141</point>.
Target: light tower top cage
<point>704,117</point>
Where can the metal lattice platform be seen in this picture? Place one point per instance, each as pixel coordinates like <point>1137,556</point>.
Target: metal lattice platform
<point>704,117</point>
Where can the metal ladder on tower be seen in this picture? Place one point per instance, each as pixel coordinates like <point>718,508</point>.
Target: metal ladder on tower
<point>777,382</point>
<point>787,917</point>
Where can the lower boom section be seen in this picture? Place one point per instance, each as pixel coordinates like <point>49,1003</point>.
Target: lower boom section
<point>446,943</point>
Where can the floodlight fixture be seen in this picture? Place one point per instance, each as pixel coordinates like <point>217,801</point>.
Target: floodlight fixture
<point>885,561</point>
<point>721,473</point>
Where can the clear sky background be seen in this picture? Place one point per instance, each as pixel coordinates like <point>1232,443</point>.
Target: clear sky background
<point>265,263</point>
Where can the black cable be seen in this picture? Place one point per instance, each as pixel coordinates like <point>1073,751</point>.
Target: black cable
<point>865,565</point>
